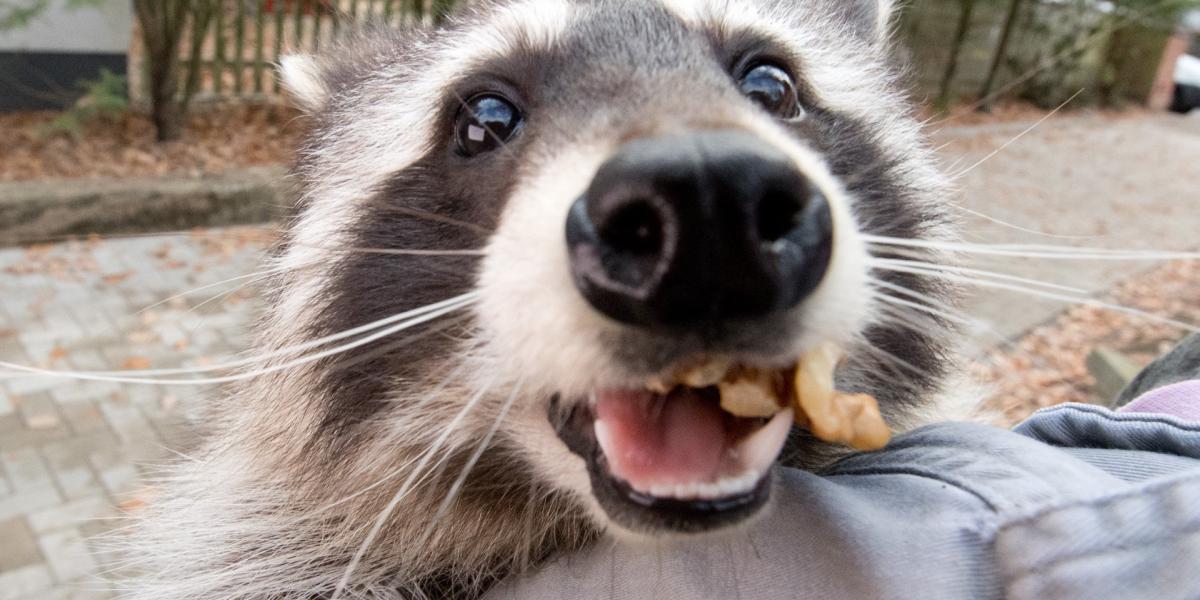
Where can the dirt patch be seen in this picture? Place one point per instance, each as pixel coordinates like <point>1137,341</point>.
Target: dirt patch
<point>1048,366</point>
<point>216,140</point>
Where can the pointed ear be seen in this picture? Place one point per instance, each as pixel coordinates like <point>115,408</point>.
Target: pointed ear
<point>885,14</point>
<point>871,19</point>
<point>304,80</point>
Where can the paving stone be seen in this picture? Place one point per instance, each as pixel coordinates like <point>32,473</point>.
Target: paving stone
<point>10,424</point>
<point>39,411</point>
<point>24,437</point>
<point>24,583</point>
<point>84,417</point>
<point>70,464</point>
<point>107,458</point>
<point>96,320</point>
<point>121,481</point>
<point>22,502</point>
<point>126,420</point>
<point>22,386</point>
<point>88,359</point>
<point>76,514</point>
<point>25,469</point>
<point>67,553</point>
<point>82,590</point>
<point>20,546</point>
<point>75,391</point>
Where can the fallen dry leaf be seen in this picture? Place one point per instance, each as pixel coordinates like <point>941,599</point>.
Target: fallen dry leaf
<point>136,363</point>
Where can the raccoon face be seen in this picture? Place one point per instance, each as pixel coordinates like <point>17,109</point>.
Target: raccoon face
<point>654,185</point>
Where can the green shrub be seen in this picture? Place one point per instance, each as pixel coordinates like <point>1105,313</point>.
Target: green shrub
<point>104,98</point>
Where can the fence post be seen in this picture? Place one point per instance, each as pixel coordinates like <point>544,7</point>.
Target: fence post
<point>239,47</point>
<point>277,6</point>
<point>299,24</point>
<point>318,13</point>
<point>201,15</point>
<point>259,41</point>
<point>218,63</point>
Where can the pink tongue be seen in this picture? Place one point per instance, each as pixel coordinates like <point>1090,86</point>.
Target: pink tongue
<point>650,441</point>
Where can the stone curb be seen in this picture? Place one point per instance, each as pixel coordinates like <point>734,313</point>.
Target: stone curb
<point>47,210</point>
<point>1111,370</point>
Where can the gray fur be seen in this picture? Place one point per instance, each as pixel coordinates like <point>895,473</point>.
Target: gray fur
<point>300,463</point>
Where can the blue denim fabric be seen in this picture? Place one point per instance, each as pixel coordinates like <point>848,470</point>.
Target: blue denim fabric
<point>1077,502</point>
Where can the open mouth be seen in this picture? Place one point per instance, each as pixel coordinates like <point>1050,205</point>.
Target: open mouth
<point>693,451</point>
<point>675,460</point>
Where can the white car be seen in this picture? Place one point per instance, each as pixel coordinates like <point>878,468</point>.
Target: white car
<point>1187,84</point>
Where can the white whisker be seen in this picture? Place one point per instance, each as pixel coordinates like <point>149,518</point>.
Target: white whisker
<point>251,276</point>
<point>1017,138</point>
<point>977,272</point>
<point>961,320</point>
<point>33,371</point>
<point>428,455</point>
<point>475,456</point>
<point>252,374</point>
<point>395,251</point>
<point>1033,250</point>
<point>1016,227</point>
<point>1058,297</point>
<point>453,376</point>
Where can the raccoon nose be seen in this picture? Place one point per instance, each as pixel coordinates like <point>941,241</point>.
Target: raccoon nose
<point>699,228</point>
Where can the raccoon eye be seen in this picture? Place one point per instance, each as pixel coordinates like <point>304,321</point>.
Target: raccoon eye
<point>485,123</point>
<point>772,88</point>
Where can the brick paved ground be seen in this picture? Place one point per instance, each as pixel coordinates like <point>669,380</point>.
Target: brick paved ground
<point>70,452</point>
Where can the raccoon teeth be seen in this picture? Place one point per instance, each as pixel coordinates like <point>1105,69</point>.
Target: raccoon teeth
<point>724,488</point>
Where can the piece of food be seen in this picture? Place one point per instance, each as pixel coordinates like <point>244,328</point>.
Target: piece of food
<point>702,373</point>
<point>706,373</point>
<point>832,416</point>
<point>851,419</point>
<point>752,393</point>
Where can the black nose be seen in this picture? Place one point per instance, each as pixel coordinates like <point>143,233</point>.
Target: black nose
<point>698,228</point>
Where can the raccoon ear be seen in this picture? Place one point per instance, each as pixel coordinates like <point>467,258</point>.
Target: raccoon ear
<point>885,12</point>
<point>871,19</point>
<point>304,80</point>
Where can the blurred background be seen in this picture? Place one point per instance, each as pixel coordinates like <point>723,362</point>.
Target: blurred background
<point>143,147</point>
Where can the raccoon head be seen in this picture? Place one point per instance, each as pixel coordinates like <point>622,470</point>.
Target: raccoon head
<point>648,185</point>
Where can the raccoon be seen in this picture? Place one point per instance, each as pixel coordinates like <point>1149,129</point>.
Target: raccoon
<point>564,200</point>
